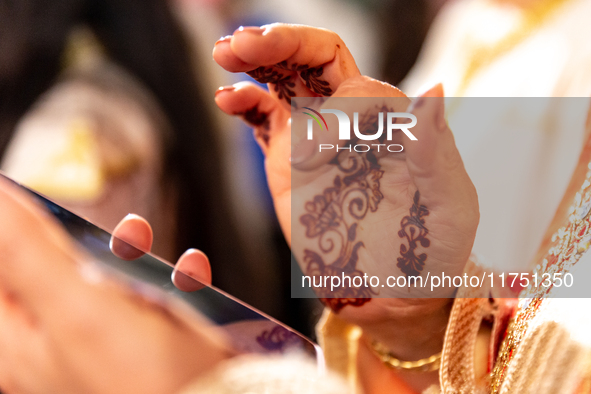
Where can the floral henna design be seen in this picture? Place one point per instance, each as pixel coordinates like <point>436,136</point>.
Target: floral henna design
<point>258,119</point>
<point>255,117</point>
<point>277,339</point>
<point>415,232</point>
<point>333,217</point>
<point>292,66</point>
<point>310,76</point>
<point>283,83</point>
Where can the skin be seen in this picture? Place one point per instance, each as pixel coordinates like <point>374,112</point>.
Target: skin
<point>102,339</point>
<point>432,165</point>
<point>76,330</point>
<point>412,328</point>
<point>135,230</point>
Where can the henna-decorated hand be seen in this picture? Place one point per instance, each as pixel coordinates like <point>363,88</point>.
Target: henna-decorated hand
<point>420,210</point>
<point>66,327</point>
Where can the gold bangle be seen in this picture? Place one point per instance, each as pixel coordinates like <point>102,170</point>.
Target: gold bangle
<point>425,365</point>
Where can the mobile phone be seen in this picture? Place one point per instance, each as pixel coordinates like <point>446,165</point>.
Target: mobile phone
<point>248,330</point>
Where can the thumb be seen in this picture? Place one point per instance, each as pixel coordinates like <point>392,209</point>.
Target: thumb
<point>433,161</point>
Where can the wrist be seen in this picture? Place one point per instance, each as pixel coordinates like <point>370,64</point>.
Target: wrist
<point>412,331</point>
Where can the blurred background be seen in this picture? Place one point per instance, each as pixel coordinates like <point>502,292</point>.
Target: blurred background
<point>107,107</point>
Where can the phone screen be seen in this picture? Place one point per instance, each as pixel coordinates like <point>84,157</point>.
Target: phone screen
<point>248,330</point>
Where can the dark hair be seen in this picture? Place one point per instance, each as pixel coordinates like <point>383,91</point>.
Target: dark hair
<point>142,37</point>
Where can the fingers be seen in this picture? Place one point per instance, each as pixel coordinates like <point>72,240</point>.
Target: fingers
<point>433,160</point>
<point>296,60</point>
<point>285,84</point>
<point>278,42</point>
<point>435,145</point>
<point>132,238</point>
<point>257,108</point>
<point>192,271</point>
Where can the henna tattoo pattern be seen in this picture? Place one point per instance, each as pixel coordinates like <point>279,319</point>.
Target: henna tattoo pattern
<point>277,339</point>
<point>333,216</point>
<point>292,67</point>
<point>414,230</point>
<point>258,119</point>
<point>283,83</point>
<point>310,76</point>
<point>313,82</point>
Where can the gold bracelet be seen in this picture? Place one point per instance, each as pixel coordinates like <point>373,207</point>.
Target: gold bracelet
<point>425,365</point>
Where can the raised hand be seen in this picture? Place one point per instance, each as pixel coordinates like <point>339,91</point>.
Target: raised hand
<point>416,212</point>
<point>380,213</point>
<point>424,190</point>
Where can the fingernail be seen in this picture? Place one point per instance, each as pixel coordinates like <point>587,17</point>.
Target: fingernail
<point>441,116</point>
<point>222,39</point>
<point>302,151</point>
<point>416,103</point>
<point>435,94</point>
<point>223,89</point>
<point>124,250</point>
<point>437,91</point>
<point>185,282</point>
<point>252,30</point>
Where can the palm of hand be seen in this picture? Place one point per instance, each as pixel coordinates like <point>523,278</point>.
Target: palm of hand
<point>362,215</point>
<point>396,214</point>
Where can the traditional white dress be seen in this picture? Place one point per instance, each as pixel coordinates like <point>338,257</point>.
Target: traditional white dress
<point>516,156</point>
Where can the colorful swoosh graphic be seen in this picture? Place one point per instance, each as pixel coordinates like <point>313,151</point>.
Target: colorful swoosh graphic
<point>315,118</point>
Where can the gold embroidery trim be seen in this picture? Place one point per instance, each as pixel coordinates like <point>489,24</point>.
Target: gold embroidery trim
<point>569,244</point>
